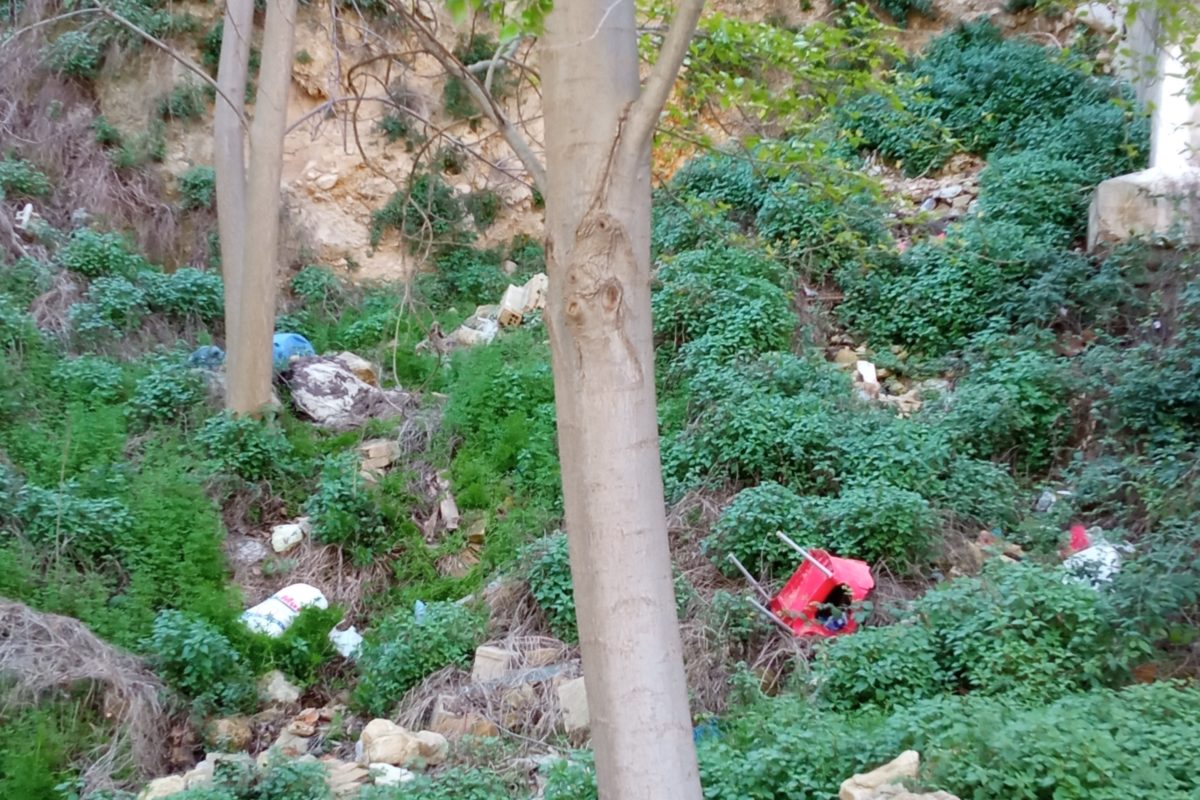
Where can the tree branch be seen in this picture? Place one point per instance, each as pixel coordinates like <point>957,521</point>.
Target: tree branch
<point>491,109</point>
<point>643,115</point>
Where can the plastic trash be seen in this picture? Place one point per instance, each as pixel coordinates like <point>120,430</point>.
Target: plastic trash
<point>347,642</point>
<point>1092,560</point>
<point>275,615</point>
<point>207,357</point>
<point>419,612</point>
<point>287,345</point>
<point>817,599</point>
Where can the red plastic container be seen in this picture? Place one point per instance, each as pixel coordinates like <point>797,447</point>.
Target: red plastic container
<point>816,601</point>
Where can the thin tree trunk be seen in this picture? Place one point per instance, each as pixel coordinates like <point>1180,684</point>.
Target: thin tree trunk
<point>249,354</point>
<point>229,156</point>
<point>598,222</point>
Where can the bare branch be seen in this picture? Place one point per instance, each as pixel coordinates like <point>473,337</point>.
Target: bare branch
<point>643,115</point>
<point>48,21</point>
<point>491,109</point>
<point>187,63</point>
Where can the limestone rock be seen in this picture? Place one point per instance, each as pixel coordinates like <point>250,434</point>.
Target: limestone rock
<point>573,705</point>
<point>290,743</point>
<point>387,775</point>
<point>865,786</point>
<point>285,537</point>
<point>845,357</point>
<point>346,778</point>
<point>334,397</point>
<point>163,787</point>
<point>452,725</point>
<point>326,182</point>
<point>231,733</point>
<point>385,742</point>
<point>433,747</point>
<point>274,687</point>
<point>491,663</point>
<point>1153,203</point>
<point>364,370</point>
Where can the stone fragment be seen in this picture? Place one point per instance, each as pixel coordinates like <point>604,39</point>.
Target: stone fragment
<point>433,747</point>
<point>573,705</point>
<point>163,787</point>
<point>274,687</point>
<point>1155,203</point>
<point>326,182</point>
<point>865,786</point>
<point>285,537</point>
<point>388,775</point>
<point>385,742</point>
<point>491,663</point>
<point>452,725</point>
<point>346,778</point>
<point>231,733</point>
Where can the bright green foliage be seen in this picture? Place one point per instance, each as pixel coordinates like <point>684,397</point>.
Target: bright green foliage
<point>404,648</point>
<point>115,305</point>
<point>971,91</point>
<point>457,783</point>
<point>292,780</point>
<point>549,575</point>
<point>63,519</point>
<point>345,511</point>
<point>1013,408</point>
<point>400,127</point>
<point>16,326</point>
<point>196,659</point>
<point>573,779</point>
<point>39,747</point>
<point>426,213</point>
<point>167,391</point>
<point>467,274</point>
<point>1046,196</point>
<point>23,280</point>
<point>246,447</point>
<point>899,10</point>
<point>746,530</point>
<point>455,98</point>
<point>94,254</point>
<point>483,207</point>
<point>318,286</point>
<point>77,53</point>
<point>186,101</point>
<point>885,667</point>
<point>939,292</point>
<point>90,380</point>
<point>185,293</point>
<point>19,178</point>
<point>1105,139</point>
<point>197,188</point>
<point>727,181</point>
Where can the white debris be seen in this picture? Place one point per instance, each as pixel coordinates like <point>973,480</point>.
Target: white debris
<point>347,642</point>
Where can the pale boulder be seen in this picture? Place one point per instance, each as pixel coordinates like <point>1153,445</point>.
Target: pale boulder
<point>385,742</point>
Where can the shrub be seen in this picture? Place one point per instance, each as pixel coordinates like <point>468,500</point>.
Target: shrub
<point>426,213</point>
<point>168,389</point>
<point>687,225</point>
<point>1046,196</point>
<point>817,230</point>
<point>549,576</point>
<point>874,520</point>
<point>899,10</point>
<point>293,780</point>
<point>344,510</point>
<point>407,646</point>
<point>60,518</point>
<point>317,286</point>
<point>114,305</point>
<point>747,526</point>
<point>884,667</point>
<point>186,292</point>
<point>197,188</point>
<point>77,53</point>
<point>399,126</point>
<point>248,448</point>
<point>483,207</point>
<point>90,380</point>
<point>194,658</point>
<point>1104,139</point>
<point>723,180</point>
<point>17,328</point>
<point>94,254</point>
<point>19,178</point>
<point>1020,629</point>
<point>468,274</point>
<point>186,101</point>
<point>455,783</point>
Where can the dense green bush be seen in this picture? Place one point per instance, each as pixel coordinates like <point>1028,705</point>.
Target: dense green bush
<point>246,447</point>
<point>456,783</point>
<point>408,645</point>
<point>1046,196</point>
<point>63,519</point>
<point>77,53</point>
<point>186,101</point>
<point>94,254</point>
<point>186,292</point>
<point>884,667</point>
<point>194,658</point>
<point>970,91</point>
<point>169,389</point>
<point>816,230</point>
<point>197,188</point>
<point>19,178</point>
<point>344,510</point>
<point>548,571</point>
<point>90,380</point>
<point>726,181</point>
<point>1105,139</point>
<point>318,286</point>
<point>114,305</point>
<point>747,526</point>
<point>467,274</point>
<point>940,292</point>
<point>427,214</point>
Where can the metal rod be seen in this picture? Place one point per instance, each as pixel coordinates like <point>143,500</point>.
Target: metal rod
<point>808,556</point>
<point>771,616</point>
<point>746,574</point>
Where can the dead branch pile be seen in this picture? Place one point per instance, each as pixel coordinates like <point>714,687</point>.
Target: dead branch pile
<point>42,654</point>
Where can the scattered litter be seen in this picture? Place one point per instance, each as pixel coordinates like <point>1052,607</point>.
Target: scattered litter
<point>287,346</point>
<point>517,301</point>
<point>479,328</point>
<point>817,599</point>
<point>929,204</point>
<point>286,536</point>
<point>207,357</point>
<point>24,216</point>
<point>1092,559</point>
<point>274,615</point>
<point>347,642</point>
<point>419,611</point>
<point>388,775</point>
<point>1048,498</point>
<point>333,396</point>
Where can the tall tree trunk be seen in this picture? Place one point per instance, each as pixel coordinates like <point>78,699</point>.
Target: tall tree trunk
<point>248,369</point>
<point>598,223</point>
<point>229,157</point>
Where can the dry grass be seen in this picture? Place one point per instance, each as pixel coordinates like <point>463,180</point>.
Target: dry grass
<point>45,653</point>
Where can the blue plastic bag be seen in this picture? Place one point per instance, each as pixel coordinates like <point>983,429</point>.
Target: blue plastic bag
<point>287,345</point>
